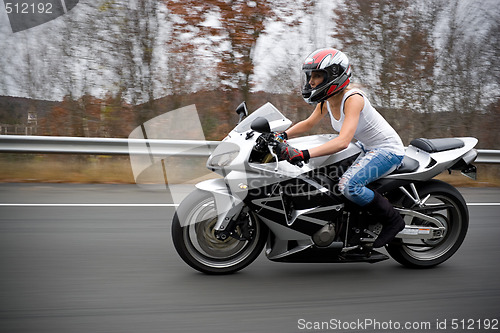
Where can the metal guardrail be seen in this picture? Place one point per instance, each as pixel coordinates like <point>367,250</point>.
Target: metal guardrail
<point>113,146</point>
<point>487,156</point>
<point>102,146</point>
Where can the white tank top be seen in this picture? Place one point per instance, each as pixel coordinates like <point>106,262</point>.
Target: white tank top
<point>373,130</point>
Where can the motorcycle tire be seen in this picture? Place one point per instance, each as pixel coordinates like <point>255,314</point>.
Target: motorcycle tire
<point>195,241</point>
<point>455,217</point>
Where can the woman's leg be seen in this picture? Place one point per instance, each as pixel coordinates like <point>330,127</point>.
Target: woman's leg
<point>366,169</point>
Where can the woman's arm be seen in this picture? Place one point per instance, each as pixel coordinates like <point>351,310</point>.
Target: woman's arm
<point>306,124</point>
<point>352,110</point>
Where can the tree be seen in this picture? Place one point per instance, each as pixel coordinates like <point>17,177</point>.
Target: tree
<point>226,32</point>
<point>468,80</point>
<point>390,47</point>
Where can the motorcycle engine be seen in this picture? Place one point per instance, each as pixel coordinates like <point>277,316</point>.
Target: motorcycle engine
<point>325,235</point>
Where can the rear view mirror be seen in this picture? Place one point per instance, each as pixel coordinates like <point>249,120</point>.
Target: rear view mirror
<point>261,125</point>
<point>242,111</point>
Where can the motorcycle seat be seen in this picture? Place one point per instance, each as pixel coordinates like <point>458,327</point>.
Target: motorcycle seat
<point>408,165</point>
<point>437,145</point>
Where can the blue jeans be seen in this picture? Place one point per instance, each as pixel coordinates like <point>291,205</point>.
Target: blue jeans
<point>367,168</point>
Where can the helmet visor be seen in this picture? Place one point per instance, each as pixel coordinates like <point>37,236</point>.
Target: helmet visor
<point>312,80</point>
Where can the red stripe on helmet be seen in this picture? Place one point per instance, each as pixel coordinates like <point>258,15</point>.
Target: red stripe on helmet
<point>335,88</point>
<point>331,90</point>
<point>321,55</point>
<point>345,84</point>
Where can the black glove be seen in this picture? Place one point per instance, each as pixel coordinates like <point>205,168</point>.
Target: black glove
<point>292,155</point>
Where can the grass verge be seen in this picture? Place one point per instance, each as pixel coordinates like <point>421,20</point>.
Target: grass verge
<point>117,169</point>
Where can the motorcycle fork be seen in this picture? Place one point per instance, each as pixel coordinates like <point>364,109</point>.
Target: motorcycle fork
<point>245,226</point>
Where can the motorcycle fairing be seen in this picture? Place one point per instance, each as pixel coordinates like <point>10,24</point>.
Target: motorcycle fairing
<point>312,254</point>
<point>432,161</point>
<point>304,222</point>
<point>228,202</point>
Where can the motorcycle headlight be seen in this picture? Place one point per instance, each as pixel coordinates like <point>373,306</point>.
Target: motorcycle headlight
<point>223,155</point>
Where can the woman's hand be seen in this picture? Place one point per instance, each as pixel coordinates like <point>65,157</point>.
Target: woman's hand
<point>292,155</point>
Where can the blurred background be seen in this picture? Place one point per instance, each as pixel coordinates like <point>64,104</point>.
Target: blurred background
<point>96,257</point>
<point>432,68</point>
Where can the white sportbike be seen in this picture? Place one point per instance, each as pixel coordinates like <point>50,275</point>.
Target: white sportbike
<point>296,212</point>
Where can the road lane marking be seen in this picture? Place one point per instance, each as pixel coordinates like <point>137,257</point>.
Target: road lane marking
<point>484,204</point>
<point>85,205</point>
<point>148,205</point>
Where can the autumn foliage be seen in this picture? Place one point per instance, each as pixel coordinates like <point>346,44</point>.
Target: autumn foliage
<point>89,117</point>
<point>418,61</point>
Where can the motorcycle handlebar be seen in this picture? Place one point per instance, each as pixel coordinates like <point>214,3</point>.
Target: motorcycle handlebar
<point>273,142</point>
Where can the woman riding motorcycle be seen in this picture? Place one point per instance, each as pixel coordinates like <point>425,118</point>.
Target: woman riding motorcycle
<point>327,76</point>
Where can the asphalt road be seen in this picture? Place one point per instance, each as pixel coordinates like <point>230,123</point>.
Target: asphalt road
<point>113,268</point>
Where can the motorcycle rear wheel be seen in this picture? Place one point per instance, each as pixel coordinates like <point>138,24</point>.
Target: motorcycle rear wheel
<point>455,218</point>
<point>195,241</point>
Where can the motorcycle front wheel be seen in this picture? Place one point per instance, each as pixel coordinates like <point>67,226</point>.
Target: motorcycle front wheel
<point>196,243</point>
<point>446,204</point>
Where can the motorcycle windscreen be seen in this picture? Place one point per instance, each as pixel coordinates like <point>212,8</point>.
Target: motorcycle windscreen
<point>169,153</point>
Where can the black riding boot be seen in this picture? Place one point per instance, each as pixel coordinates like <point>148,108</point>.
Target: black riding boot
<point>391,220</point>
